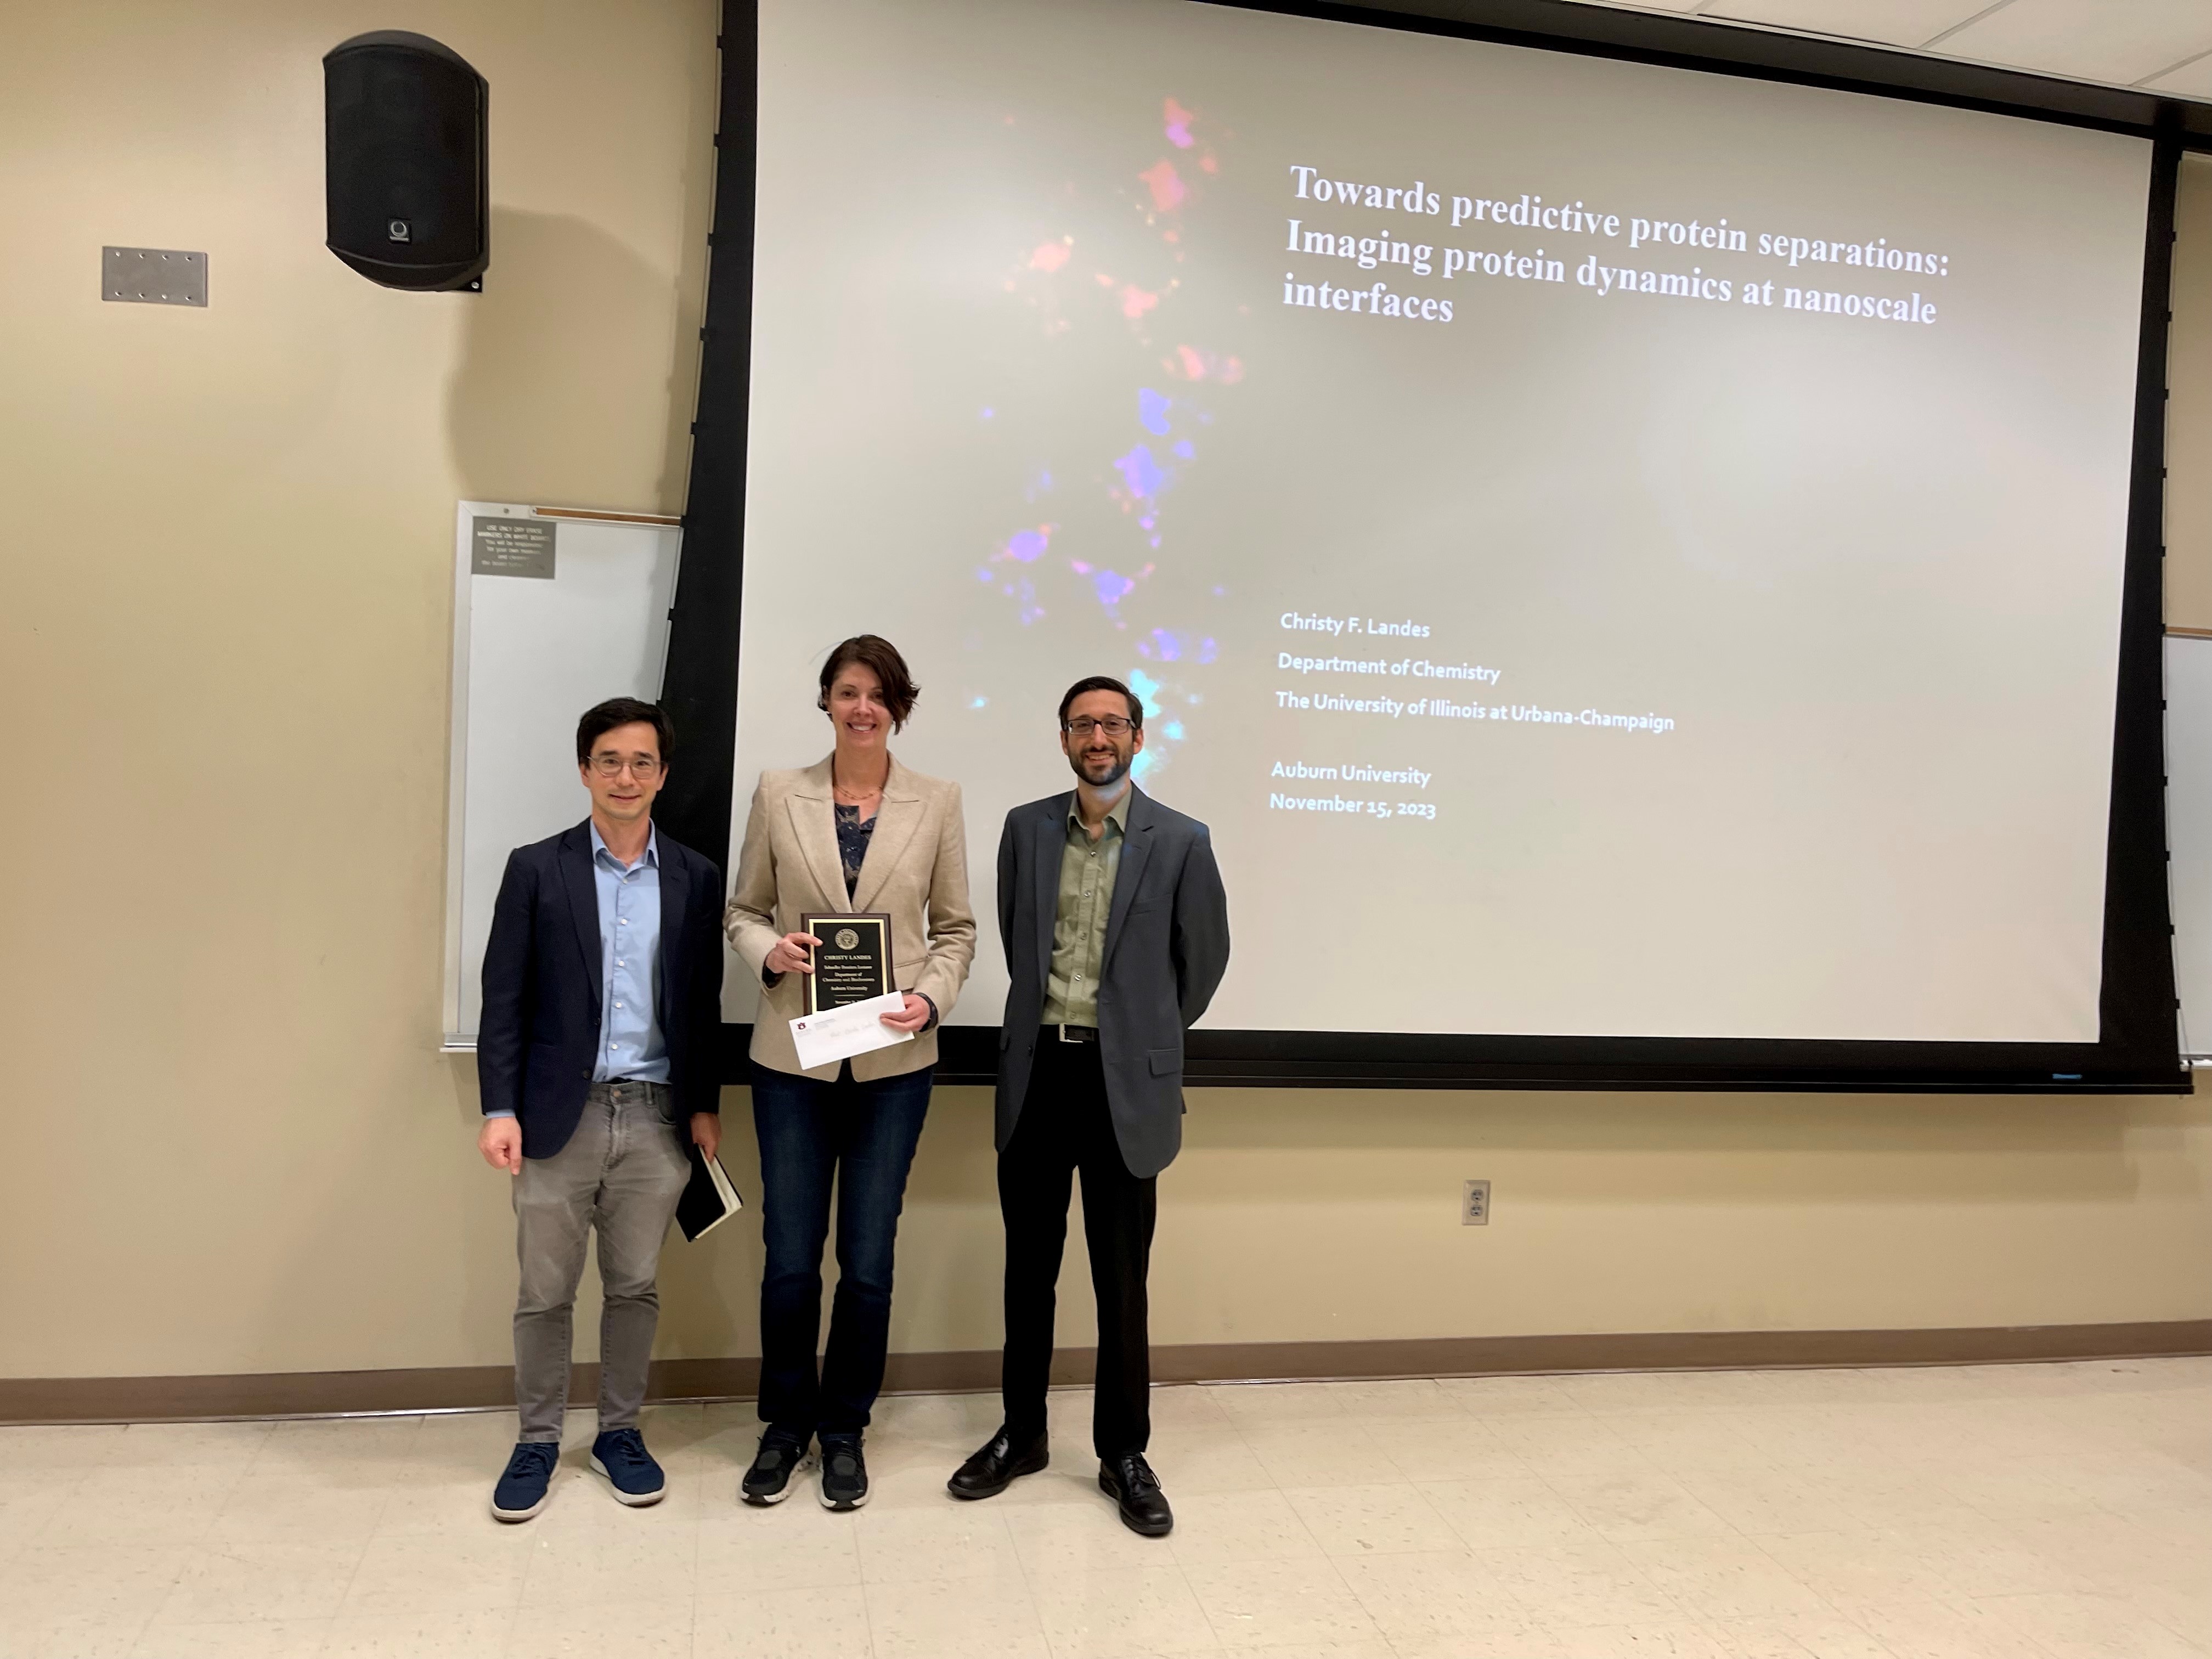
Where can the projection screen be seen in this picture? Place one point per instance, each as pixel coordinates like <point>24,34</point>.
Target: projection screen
<point>1611,550</point>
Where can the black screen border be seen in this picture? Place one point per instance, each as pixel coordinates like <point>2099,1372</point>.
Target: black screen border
<point>2138,1050</point>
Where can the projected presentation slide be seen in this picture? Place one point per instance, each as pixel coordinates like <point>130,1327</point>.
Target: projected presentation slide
<point>1609,550</point>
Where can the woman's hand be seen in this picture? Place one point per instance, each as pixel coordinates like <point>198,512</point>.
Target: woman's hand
<point>912,1018</point>
<point>789,955</point>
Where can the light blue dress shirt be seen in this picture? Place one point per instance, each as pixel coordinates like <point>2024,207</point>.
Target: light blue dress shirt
<point>631,1045</point>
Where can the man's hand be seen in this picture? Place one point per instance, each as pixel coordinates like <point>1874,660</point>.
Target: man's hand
<point>912,1018</point>
<point>706,1132</point>
<point>500,1143</point>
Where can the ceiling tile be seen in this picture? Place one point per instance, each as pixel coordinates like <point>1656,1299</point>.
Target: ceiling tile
<point>1894,22</point>
<point>2117,41</point>
<point>2190,81</point>
<point>1645,5</point>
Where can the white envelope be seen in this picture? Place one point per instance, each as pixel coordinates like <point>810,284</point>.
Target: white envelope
<point>836,1034</point>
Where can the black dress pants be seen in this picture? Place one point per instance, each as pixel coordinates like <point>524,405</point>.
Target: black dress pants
<point>1064,1128</point>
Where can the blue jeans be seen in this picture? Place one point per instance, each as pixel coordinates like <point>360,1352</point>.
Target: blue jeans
<point>859,1138</point>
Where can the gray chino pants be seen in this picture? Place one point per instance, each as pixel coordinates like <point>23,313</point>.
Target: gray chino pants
<point>621,1172</point>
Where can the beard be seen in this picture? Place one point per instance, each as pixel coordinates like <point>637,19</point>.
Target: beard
<point>1118,769</point>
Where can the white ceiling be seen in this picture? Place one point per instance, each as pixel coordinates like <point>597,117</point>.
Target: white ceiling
<point>2162,45</point>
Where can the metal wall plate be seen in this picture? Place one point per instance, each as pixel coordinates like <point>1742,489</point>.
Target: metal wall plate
<point>153,275</point>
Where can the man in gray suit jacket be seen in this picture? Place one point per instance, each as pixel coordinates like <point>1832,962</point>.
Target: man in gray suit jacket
<point>1116,933</point>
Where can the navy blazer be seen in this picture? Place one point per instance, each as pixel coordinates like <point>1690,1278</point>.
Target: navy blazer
<point>1167,947</point>
<point>538,1041</point>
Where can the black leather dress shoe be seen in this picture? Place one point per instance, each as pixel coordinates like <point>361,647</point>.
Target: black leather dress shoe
<point>995,1468</point>
<point>1130,1482</point>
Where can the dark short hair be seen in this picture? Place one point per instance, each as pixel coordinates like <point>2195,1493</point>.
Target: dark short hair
<point>1103,683</point>
<point>880,657</point>
<point>601,718</point>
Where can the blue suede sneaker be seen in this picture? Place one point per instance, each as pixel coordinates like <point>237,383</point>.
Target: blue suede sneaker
<point>620,1455</point>
<point>527,1481</point>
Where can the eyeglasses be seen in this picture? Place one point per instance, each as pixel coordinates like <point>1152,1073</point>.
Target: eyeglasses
<point>1083,726</point>
<point>642,768</point>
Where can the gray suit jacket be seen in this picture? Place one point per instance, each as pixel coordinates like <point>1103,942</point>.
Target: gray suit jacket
<point>1167,945</point>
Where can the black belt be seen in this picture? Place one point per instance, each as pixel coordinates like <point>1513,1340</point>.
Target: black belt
<point>1075,1033</point>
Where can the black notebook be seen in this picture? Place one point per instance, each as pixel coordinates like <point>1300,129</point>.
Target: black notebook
<point>709,1201</point>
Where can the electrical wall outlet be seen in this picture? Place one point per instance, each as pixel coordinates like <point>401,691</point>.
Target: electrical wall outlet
<point>1474,1204</point>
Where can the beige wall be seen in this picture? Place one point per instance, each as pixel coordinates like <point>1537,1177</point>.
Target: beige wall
<point>229,551</point>
<point>2188,405</point>
<point>230,1141</point>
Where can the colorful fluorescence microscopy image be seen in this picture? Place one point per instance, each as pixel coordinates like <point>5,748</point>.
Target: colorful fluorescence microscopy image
<point>1120,377</point>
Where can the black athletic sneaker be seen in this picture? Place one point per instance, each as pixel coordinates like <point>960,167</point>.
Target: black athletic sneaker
<point>782,1455</point>
<point>844,1472</point>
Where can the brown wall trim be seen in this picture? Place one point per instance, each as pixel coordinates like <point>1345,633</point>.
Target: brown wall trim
<point>488,1388</point>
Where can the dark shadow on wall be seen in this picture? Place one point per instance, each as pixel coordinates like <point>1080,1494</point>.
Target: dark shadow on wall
<point>564,391</point>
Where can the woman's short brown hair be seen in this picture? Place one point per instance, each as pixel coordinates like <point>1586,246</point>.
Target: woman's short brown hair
<point>880,657</point>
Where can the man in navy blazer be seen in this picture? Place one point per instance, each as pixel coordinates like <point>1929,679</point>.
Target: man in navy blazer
<point>597,1056</point>
<point>1117,934</point>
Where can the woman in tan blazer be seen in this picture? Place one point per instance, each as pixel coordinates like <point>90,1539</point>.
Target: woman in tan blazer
<point>854,832</point>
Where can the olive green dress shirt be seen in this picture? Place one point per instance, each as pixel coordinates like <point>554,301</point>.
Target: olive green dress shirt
<point>1087,869</point>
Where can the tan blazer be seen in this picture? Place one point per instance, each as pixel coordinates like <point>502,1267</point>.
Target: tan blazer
<point>916,870</point>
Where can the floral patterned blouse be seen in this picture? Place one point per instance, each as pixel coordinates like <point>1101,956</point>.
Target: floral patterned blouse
<point>852,834</point>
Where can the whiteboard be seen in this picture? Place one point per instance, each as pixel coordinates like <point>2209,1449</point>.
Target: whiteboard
<point>531,652</point>
<point>2189,832</point>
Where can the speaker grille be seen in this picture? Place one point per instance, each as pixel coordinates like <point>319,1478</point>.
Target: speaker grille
<point>404,137</point>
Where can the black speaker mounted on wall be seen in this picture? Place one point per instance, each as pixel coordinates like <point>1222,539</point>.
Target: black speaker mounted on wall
<point>403,143</point>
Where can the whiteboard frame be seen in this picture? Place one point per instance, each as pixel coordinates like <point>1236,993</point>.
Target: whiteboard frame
<point>452,1040</point>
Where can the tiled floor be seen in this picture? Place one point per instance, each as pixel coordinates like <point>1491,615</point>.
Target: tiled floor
<point>2018,1512</point>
